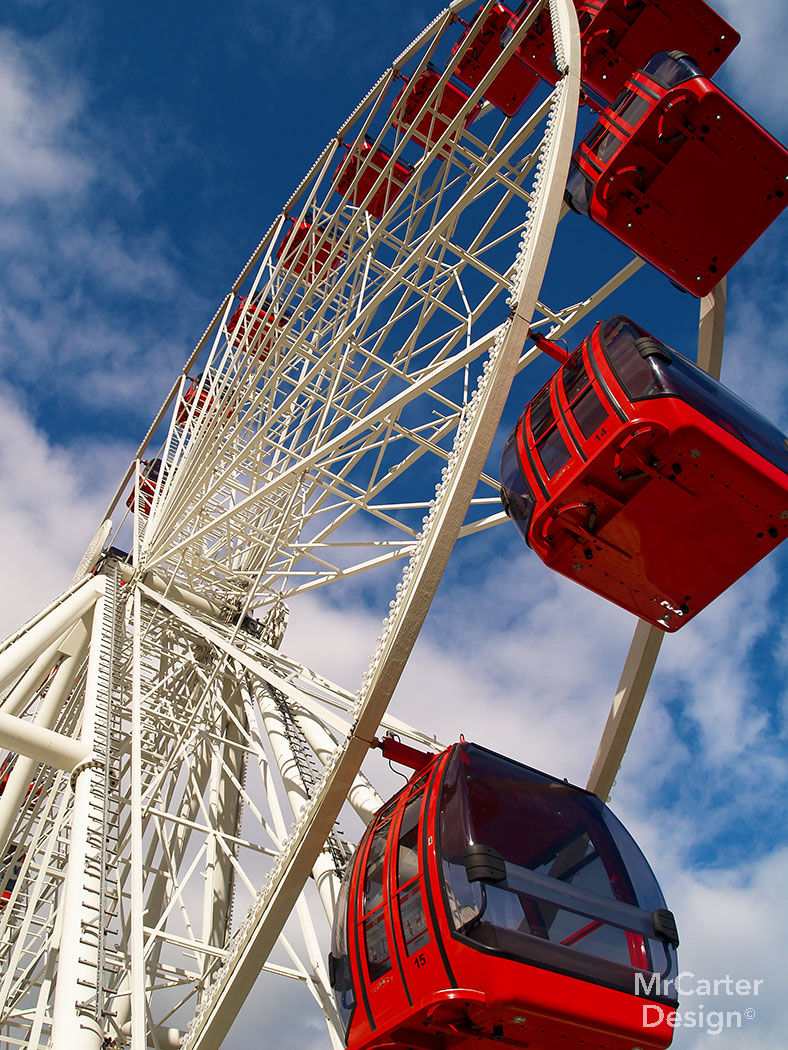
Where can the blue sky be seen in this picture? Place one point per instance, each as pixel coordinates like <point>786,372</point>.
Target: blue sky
<point>143,153</point>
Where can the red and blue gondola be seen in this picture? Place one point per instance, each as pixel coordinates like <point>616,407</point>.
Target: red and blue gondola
<point>636,474</point>
<point>679,173</point>
<point>370,163</point>
<point>619,36</point>
<point>490,904</point>
<point>149,478</point>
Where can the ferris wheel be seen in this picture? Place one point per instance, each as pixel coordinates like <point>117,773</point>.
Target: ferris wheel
<point>170,822</point>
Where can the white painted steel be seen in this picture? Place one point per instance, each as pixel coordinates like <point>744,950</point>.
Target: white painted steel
<point>19,652</point>
<point>74,1024</point>
<point>42,745</point>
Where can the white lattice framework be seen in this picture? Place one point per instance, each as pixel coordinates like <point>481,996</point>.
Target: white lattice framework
<point>178,776</point>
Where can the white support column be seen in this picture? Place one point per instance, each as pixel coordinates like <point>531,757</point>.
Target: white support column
<point>74,647</point>
<point>362,796</point>
<point>228,764</point>
<point>632,687</point>
<point>24,690</point>
<point>75,1027</point>
<point>323,870</point>
<point>22,652</point>
<point>42,745</point>
<point>711,329</point>
<point>136,1002</point>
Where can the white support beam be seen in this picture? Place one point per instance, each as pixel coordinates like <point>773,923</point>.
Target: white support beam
<point>632,688</point>
<point>42,745</point>
<point>711,329</point>
<point>75,1024</point>
<point>31,643</point>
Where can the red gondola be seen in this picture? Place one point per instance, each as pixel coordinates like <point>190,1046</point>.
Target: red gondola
<point>305,235</point>
<point>537,50</point>
<point>619,36</point>
<point>249,320</point>
<point>193,393</point>
<point>639,476</point>
<point>438,115</point>
<point>489,904</point>
<point>679,173</point>
<point>389,188</point>
<point>148,482</point>
<point>515,82</point>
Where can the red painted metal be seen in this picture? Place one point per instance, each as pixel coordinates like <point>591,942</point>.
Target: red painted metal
<point>680,174</point>
<point>306,237</point>
<point>249,320</point>
<point>658,503</point>
<point>620,36</point>
<point>193,393</point>
<point>617,37</point>
<point>370,164</point>
<point>148,481</point>
<point>547,346</point>
<point>438,115</point>
<point>403,754</point>
<point>515,82</point>
<point>405,977</point>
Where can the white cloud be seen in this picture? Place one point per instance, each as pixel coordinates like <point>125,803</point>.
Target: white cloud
<point>39,141</point>
<point>755,74</point>
<point>52,504</point>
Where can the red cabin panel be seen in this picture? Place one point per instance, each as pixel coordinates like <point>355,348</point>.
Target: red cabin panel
<point>537,49</point>
<point>657,490</point>
<point>680,174</point>
<point>300,244</point>
<point>619,36</point>
<point>148,483</point>
<point>440,113</point>
<point>515,82</point>
<point>370,164</point>
<point>489,904</point>
<point>251,324</point>
<point>193,393</point>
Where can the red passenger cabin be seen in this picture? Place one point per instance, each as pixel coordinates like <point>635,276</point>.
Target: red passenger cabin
<point>617,37</point>
<point>514,83</point>
<point>362,171</point>
<point>305,249</point>
<point>679,173</point>
<point>194,395</point>
<point>636,474</point>
<point>148,482</point>
<point>251,323</point>
<point>492,905</point>
<point>438,114</point>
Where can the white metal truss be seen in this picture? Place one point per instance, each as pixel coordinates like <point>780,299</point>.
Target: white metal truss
<point>178,776</point>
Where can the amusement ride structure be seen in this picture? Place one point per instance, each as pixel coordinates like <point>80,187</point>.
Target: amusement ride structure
<point>171,795</point>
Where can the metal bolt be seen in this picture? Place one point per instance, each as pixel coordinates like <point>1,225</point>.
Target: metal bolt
<point>695,453</point>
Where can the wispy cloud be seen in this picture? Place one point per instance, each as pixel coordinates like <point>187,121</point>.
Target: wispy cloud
<point>40,143</point>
